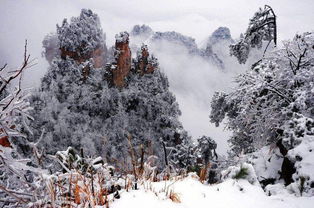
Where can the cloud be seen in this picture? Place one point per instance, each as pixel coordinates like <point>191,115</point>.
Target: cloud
<point>194,80</point>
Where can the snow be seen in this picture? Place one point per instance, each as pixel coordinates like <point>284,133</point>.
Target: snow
<point>122,37</point>
<point>192,193</point>
<point>234,171</point>
<point>305,151</point>
<point>267,162</point>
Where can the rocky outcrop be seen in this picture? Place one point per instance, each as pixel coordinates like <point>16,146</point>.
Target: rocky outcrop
<point>145,64</point>
<point>217,46</point>
<point>122,64</point>
<point>52,49</point>
<point>209,55</point>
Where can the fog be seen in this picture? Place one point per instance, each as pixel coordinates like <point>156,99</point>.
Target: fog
<point>192,79</point>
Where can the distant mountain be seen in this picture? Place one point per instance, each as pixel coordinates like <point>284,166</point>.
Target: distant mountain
<point>210,55</point>
<point>221,34</point>
<point>178,38</point>
<point>144,34</point>
<point>141,30</point>
<point>217,46</point>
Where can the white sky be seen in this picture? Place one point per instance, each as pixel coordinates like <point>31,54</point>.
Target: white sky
<point>33,19</point>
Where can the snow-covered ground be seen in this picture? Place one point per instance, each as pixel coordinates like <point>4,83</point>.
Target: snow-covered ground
<point>192,193</point>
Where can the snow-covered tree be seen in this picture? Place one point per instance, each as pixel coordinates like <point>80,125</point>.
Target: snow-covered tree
<point>273,103</point>
<point>51,47</point>
<point>268,96</point>
<point>82,35</point>
<point>19,182</point>
<point>206,148</point>
<point>262,27</point>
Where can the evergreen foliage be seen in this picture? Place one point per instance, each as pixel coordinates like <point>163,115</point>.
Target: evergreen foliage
<point>242,174</point>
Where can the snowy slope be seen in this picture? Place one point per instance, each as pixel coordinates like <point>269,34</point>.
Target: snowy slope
<point>192,193</point>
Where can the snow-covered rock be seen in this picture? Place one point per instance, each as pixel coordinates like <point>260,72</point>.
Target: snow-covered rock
<point>303,156</point>
<point>267,162</point>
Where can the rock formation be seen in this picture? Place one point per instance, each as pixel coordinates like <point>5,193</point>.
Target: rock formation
<point>122,64</point>
<point>145,64</point>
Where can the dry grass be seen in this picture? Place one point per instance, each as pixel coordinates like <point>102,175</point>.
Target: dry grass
<point>174,197</point>
<point>203,173</point>
<point>76,190</point>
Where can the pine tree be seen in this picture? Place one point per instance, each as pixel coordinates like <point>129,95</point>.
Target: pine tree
<point>262,27</point>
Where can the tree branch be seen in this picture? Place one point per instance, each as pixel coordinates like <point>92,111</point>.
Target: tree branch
<point>12,194</point>
<point>18,72</point>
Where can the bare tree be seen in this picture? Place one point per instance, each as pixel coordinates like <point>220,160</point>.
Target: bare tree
<point>16,186</point>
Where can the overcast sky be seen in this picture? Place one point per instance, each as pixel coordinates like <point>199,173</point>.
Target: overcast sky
<point>33,19</point>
